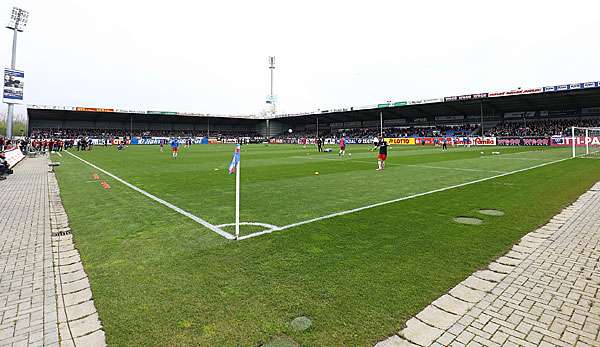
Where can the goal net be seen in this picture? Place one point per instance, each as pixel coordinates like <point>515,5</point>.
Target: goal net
<point>585,142</point>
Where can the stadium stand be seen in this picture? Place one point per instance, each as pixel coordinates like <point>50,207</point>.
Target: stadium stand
<point>534,112</point>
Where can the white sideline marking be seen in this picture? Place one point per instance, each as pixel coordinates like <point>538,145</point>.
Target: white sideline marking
<point>374,162</point>
<point>509,158</point>
<point>332,215</point>
<point>456,168</point>
<point>161,201</point>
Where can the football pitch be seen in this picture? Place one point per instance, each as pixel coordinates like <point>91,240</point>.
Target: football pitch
<point>356,250</point>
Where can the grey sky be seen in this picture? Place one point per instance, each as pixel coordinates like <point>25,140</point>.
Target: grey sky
<point>211,56</point>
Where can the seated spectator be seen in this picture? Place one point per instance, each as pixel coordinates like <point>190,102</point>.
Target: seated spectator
<point>4,167</point>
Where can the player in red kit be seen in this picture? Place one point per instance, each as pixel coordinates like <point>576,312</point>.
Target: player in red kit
<point>342,147</point>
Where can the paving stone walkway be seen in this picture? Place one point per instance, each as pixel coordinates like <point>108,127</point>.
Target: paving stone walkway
<point>45,298</point>
<point>544,292</point>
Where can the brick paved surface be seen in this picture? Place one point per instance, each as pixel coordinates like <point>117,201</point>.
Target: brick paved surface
<point>544,292</point>
<point>39,303</point>
<point>27,296</point>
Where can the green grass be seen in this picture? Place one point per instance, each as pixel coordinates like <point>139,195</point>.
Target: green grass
<point>159,278</point>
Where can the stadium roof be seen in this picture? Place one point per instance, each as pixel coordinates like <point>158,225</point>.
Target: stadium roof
<point>452,108</point>
<point>560,97</point>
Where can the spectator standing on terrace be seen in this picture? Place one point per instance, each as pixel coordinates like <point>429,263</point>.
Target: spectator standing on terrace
<point>4,167</point>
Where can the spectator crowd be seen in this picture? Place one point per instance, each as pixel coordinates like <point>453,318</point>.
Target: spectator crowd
<point>46,133</point>
<point>546,127</point>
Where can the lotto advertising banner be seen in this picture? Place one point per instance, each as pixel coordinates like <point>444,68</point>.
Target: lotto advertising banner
<point>567,141</point>
<point>400,141</point>
<point>14,81</point>
<point>523,141</point>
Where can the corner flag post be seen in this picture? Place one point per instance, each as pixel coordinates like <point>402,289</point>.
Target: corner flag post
<point>237,200</point>
<point>234,166</point>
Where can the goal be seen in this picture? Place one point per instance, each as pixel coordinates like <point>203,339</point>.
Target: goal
<point>585,142</point>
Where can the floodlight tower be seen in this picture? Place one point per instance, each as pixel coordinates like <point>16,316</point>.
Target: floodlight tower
<point>17,23</point>
<point>271,95</point>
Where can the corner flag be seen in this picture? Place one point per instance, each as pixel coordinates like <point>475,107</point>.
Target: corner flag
<point>234,166</point>
<point>235,160</point>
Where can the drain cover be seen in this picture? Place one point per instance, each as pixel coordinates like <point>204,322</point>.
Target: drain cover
<point>300,323</point>
<point>491,212</point>
<point>61,233</point>
<point>468,220</point>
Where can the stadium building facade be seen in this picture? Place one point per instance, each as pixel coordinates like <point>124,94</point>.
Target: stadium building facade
<point>480,111</point>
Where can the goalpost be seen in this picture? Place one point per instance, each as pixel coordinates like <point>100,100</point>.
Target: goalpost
<point>585,142</point>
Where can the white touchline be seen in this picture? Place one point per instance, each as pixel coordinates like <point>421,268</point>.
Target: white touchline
<point>507,157</point>
<point>161,201</point>
<point>374,162</point>
<point>336,214</point>
<point>455,168</point>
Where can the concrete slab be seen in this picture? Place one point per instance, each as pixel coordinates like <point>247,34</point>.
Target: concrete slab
<point>437,318</point>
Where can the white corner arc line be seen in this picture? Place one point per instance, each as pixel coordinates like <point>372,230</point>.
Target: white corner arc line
<point>332,215</point>
<point>256,234</point>
<point>268,226</point>
<point>269,229</point>
<point>161,201</point>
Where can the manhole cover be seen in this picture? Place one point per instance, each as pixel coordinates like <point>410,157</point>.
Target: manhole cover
<point>300,323</point>
<point>490,212</point>
<point>61,233</point>
<point>468,220</point>
<point>281,341</point>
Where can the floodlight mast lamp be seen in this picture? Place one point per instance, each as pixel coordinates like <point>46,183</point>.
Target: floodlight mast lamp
<point>17,23</point>
<point>271,97</point>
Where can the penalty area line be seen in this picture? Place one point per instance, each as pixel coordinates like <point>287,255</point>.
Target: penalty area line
<point>161,201</point>
<point>332,215</point>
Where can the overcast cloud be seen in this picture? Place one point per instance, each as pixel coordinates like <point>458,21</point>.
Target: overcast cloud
<point>211,56</point>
